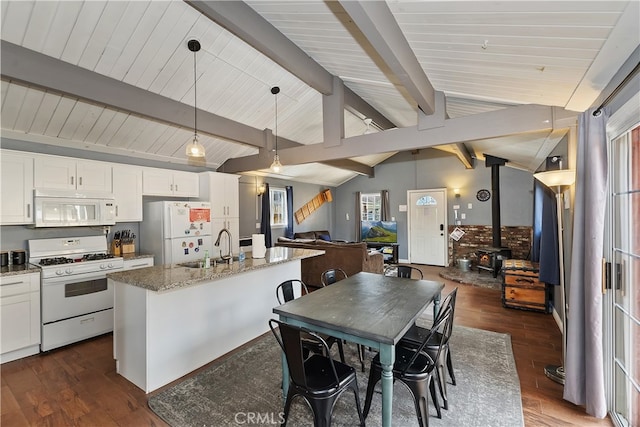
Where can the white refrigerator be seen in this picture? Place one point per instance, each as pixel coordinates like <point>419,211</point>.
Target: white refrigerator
<point>176,231</point>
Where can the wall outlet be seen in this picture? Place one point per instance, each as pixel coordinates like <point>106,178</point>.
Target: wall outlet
<point>463,216</point>
<point>470,206</point>
<point>257,225</point>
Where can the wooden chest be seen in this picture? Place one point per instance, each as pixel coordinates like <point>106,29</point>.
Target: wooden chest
<point>521,287</point>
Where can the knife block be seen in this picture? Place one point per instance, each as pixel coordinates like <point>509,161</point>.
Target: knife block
<point>116,248</point>
<point>128,248</point>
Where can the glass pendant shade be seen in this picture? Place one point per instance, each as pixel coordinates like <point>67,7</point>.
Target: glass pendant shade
<point>276,166</point>
<point>194,148</point>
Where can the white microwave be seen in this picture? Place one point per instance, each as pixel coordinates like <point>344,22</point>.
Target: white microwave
<point>59,208</point>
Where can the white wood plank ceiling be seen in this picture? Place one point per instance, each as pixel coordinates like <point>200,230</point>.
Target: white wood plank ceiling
<point>484,56</point>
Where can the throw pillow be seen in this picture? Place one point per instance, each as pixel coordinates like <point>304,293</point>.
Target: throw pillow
<point>325,237</point>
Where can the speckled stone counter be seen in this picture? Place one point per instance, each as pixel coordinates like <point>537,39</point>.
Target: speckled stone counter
<point>161,278</point>
<point>13,270</point>
<point>134,256</point>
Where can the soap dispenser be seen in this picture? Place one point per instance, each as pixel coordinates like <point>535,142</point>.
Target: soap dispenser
<point>207,260</point>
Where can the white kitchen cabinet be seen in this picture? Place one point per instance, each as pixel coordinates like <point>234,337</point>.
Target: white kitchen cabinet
<point>165,182</point>
<point>16,176</point>
<point>127,190</point>
<point>19,316</point>
<point>222,191</point>
<point>68,173</point>
<point>134,264</point>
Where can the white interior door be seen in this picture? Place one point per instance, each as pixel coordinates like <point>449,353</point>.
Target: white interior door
<point>427,226</point>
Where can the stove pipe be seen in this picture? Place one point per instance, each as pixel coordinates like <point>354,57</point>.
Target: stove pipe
<point>495,163</point>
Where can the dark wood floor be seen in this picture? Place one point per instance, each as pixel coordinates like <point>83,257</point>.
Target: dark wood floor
<point>77,384</point>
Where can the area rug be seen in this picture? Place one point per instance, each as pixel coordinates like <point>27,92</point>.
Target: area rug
<point>245,389</point>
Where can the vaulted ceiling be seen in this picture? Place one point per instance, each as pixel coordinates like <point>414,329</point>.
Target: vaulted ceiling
<point>472,78</point>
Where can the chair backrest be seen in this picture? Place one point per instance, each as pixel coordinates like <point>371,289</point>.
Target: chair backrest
<point>290,340</point>
<point>448,301</point>
<point>332,275</point>
<point>440,330</point>
<point>407,271</point>
<point>290,289</point>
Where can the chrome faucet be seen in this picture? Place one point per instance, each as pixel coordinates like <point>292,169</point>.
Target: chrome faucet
<point>229,256</point>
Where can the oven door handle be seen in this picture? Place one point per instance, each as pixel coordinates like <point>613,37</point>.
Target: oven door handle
<point>77,277</point>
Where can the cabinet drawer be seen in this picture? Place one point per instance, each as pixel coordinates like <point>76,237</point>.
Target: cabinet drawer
<point>528,281</point>
<point>512,293</point>
<point>21,284</point>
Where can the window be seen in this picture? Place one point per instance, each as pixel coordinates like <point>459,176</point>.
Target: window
<point>426,201</point>
<point>278,206</point>
<point>370,206</point>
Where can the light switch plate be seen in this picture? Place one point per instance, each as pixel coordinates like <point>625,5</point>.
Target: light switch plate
<point>470,206</point>
<point>456,207</point>
<point>463,216</point>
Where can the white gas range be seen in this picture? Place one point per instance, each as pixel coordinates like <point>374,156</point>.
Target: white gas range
<point>77,301</point>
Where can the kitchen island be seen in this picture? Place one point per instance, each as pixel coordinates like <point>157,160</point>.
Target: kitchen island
<point>170,320</point>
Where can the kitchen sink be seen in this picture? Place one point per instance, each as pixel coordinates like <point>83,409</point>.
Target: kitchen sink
<point>198,264</point>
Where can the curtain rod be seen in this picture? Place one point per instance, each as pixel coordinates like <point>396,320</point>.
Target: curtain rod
<point>617,90</point>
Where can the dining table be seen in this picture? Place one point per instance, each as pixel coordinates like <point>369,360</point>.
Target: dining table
<point>366,308</point>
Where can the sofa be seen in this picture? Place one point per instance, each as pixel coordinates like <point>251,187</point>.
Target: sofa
<point>350,257</point>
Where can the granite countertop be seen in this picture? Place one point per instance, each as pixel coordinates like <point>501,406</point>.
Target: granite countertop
<point>13,270</point>
<point>132,256</point>
<point>161,278</point>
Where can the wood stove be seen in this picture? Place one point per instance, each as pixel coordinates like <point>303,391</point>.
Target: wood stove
<point>490,258</point>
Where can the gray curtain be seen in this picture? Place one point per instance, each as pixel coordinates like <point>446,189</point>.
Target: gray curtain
<point>265,218</point>
<point>385,215</point>
<point>289,231</point>
<point>358,217</point>
<point>584,361</point>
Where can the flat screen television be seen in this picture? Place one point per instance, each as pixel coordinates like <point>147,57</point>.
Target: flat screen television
<point>379,231</point>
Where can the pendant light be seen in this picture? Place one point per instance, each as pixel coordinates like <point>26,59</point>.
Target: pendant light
<point>194,148</point>
<point>276,166</point>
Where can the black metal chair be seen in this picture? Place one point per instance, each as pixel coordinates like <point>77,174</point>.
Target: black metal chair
<point>331,276</point>
<point>415,368</point>
<point>292,289</point>
<point>416,335</point>
<point>405,271</point>
<point>318,379</point>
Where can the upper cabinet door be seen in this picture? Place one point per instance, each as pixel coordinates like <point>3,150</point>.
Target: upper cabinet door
<point>93,176</point>
<point>70,174</point>
<point>16,180</point>
<point>221,189</point>
<point>55,172</point>
<point>127,190</point>
<point>185,184</point>
<point>157,182</point>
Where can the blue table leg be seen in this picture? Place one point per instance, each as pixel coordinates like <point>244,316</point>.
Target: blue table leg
<point>387,359</point>
<point>436,305</point>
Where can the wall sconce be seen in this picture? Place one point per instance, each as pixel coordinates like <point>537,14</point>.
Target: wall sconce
<point>260,189</point>
<point>456,192</point>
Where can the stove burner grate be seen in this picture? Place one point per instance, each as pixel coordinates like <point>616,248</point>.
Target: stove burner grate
<point>55,261</point>
<point>64,260</point>
<point>95,257</point>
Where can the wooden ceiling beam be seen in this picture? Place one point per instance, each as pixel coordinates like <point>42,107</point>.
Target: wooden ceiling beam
<point>376,22</point>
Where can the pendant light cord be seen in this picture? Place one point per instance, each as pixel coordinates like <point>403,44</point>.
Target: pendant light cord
<point>195,97</point>
<point>275,91</point>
